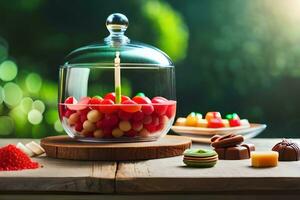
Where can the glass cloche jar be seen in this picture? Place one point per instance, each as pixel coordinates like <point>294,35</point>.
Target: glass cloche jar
<point>118,90</point>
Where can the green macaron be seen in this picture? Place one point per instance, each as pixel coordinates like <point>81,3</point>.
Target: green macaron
<point>201,153</point>
<point>202,158</point>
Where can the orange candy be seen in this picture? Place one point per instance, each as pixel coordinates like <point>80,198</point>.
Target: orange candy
<point>264,159</point>
<point>213,115</point>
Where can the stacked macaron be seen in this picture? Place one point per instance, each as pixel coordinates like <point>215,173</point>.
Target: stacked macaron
<point>200,158</point>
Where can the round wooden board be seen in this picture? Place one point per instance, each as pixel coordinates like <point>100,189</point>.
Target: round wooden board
<point>65,147</point>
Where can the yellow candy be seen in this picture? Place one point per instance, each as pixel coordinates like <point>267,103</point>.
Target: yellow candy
<point>181,121</point>
<point>73,119</point>
<point>225,122</point>
<point>94,116</point>
<point>117,132</point>
<point>192,119</point>
<point>89,126</point>
<point>84,133</point>
<point>202,123</point>
<point>98,133</point>
<point>125,125</point>
<point>144,133</point>
<point>264,159</point>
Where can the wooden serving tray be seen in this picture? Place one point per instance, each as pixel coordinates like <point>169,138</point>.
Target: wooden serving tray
<point>65,147</point>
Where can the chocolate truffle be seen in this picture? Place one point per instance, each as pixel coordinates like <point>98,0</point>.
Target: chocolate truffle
<point>288,150</point>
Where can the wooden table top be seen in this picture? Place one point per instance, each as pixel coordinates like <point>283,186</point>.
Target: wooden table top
<point>160,176</point>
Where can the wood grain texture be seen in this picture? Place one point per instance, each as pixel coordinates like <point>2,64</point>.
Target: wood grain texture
<point>66,148</point>
<point>60,176</point>
<point>171,176</point>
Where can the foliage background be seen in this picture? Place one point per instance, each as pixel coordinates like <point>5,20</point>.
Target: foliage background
<point>230,56</point>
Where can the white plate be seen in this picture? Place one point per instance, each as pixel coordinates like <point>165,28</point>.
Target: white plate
<point>198,134</point>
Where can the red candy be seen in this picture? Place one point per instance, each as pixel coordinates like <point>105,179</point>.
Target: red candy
<point>138,116</point>
<point>99,124</point>
<point>124,115</point>
<point>78,127</point>
<point>147,109</point>
<point>124,98</point>
<point>171,111</point>
<point>95,101</point>
<point>107,133</point>
<point>160,108</point>
<point>155,120</point>
<point>112,120</point>
<point>68,113</point>
<point>150,127</point>
<point>131,133</point>
<point>130,106</point>
<point>137,126</point>
<point>111,96</point>
<point>107,106</point>
<point>234,122</point>
<point>215,123</point>
<point>147,119</point>
<point>70,100</point>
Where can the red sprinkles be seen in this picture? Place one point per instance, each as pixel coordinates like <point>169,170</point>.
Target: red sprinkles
<point>12,158</point>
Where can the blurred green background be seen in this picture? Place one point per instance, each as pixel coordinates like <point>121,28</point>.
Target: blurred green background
<point>230,56</point>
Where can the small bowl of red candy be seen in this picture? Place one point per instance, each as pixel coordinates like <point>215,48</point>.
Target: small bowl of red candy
<point>101,119</point>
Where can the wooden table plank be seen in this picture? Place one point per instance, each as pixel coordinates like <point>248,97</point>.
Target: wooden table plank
<point>60,175</point>
<point>169,175</point>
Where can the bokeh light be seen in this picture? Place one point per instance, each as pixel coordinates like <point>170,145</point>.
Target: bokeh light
<point>6,125</point>
<point>33,82</point>
<point>12,94</point>
<point>35,117</point>
<point>58,126</point>
<point>8,70</point>
<point>38,105</point>
<point>26,104</point>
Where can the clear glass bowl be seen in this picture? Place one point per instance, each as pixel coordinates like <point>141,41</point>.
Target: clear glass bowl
<point>117,91</point>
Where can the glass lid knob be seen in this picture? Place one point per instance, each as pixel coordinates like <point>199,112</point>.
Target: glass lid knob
<point>117,24</point>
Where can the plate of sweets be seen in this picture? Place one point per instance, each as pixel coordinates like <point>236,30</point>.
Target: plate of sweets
<point>201,129</point>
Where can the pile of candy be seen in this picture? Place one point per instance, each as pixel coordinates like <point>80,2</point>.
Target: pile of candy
<point>102,118</point>
<point>212,120</point>
<point>13,158</point>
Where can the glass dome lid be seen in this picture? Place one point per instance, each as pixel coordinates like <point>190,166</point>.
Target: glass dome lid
<point>117,44</point>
